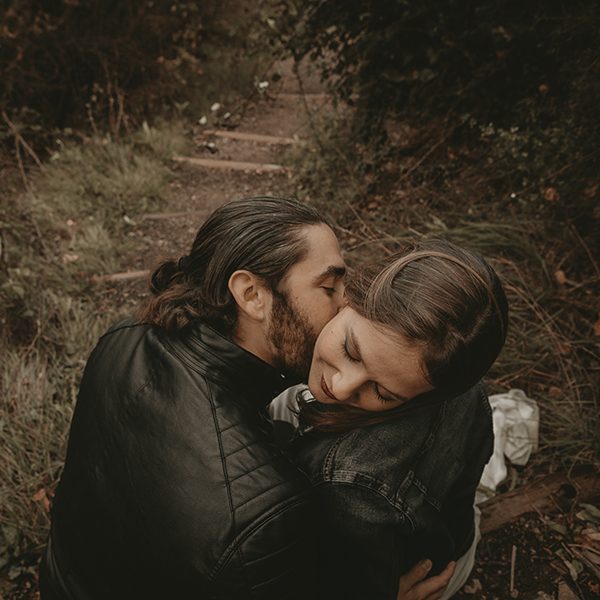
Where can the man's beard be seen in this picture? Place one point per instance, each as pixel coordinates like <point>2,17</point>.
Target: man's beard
<point>292,339</point>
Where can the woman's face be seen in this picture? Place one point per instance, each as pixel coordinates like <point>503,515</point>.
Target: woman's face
<point>361,364</point>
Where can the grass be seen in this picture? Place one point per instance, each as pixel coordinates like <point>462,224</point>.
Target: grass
<point>71,224</point>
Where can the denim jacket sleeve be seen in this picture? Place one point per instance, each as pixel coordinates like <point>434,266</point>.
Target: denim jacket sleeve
<point>361,543</point>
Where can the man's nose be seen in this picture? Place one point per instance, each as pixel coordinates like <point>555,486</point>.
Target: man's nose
<point>340,299</point>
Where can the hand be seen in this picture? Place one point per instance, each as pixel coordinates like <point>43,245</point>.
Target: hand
<point>414,586</point>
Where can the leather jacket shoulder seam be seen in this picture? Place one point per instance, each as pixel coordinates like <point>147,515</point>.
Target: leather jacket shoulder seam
<point>221,453</point>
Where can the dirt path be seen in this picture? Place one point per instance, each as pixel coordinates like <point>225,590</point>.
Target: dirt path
<point>197,190</point>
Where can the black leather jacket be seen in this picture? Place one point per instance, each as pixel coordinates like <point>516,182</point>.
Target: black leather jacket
<point>171,486</point>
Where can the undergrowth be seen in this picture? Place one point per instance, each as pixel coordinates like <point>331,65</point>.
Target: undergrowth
<point>411,186</point>
<point>71,224</point>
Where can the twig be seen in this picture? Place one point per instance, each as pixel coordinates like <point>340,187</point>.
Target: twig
<point>128,275</point>
<point>309,114</point>
<point>173,215</point>
<point>513,559</point>
<point>431,150</point>
<point>20,163</point>
<point>20,139</point>
<point>587,250</point>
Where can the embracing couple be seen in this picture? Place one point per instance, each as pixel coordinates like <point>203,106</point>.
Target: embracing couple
<point>175,483</point>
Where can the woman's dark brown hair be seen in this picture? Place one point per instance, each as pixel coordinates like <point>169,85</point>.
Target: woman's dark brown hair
<point>262,235</point>
<point>441,297</point>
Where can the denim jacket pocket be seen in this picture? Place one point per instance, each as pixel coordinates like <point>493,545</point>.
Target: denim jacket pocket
<point>422,492</point>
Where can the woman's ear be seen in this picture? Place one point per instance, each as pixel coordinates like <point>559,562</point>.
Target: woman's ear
<point>252,296</point>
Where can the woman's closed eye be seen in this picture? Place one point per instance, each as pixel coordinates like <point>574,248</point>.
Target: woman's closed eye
<point>380,397</point>
<point>346,353</point>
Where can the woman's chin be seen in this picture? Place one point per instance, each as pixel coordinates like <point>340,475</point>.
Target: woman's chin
<point>315,392</point>
<point>318,395</point>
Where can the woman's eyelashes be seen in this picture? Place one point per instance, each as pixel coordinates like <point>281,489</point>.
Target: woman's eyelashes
<point>346,353</point>
<point>351,358</point>
<point>380,397</point>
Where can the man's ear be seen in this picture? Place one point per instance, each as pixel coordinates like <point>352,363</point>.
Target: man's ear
<point>252,296</point>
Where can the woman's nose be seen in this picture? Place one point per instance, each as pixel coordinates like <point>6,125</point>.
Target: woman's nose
<point>346,383</point>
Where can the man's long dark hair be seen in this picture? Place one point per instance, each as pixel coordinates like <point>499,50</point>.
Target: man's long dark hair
<point>262,235</point>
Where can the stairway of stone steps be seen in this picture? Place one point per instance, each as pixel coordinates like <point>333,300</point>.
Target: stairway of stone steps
<point>224,164</point>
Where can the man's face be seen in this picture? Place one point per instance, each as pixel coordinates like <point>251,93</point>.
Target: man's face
<point>310,294</point>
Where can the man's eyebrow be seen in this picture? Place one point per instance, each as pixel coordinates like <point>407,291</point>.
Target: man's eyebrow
<point>334,271</point>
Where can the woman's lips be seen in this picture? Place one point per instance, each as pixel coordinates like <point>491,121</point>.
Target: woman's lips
<point>326,389</point>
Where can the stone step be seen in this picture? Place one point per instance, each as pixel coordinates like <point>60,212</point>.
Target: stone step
<point>249,137</point>
<point>232,165</point>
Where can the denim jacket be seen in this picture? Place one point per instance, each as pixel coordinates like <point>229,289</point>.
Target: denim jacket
<point>397,492</point>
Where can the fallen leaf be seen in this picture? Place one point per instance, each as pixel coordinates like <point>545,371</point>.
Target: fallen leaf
<point>543,88</point>
<point>68,258</point>
<point>39,495</point>
<point>592,534</point>
<point>565,592</point>
<point>560,277</point>
<point>589,513</point>
<point>473,587</point>
<point>551,194</point>
<point>557,527</point>
<point>555,392</point>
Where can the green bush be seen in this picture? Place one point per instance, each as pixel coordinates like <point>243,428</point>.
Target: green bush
<point>105,65</point>
<point>481,58</point>
<point>57,58</point>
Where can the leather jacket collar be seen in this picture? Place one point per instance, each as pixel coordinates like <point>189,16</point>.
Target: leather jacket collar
<point>207,351</point>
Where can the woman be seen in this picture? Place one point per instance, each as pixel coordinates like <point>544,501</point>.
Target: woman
<point>400,431</point>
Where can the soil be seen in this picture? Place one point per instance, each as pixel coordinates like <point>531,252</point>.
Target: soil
<point>544,567</point>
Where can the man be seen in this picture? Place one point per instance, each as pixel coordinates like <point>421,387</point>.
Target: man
<point>171,486</point>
